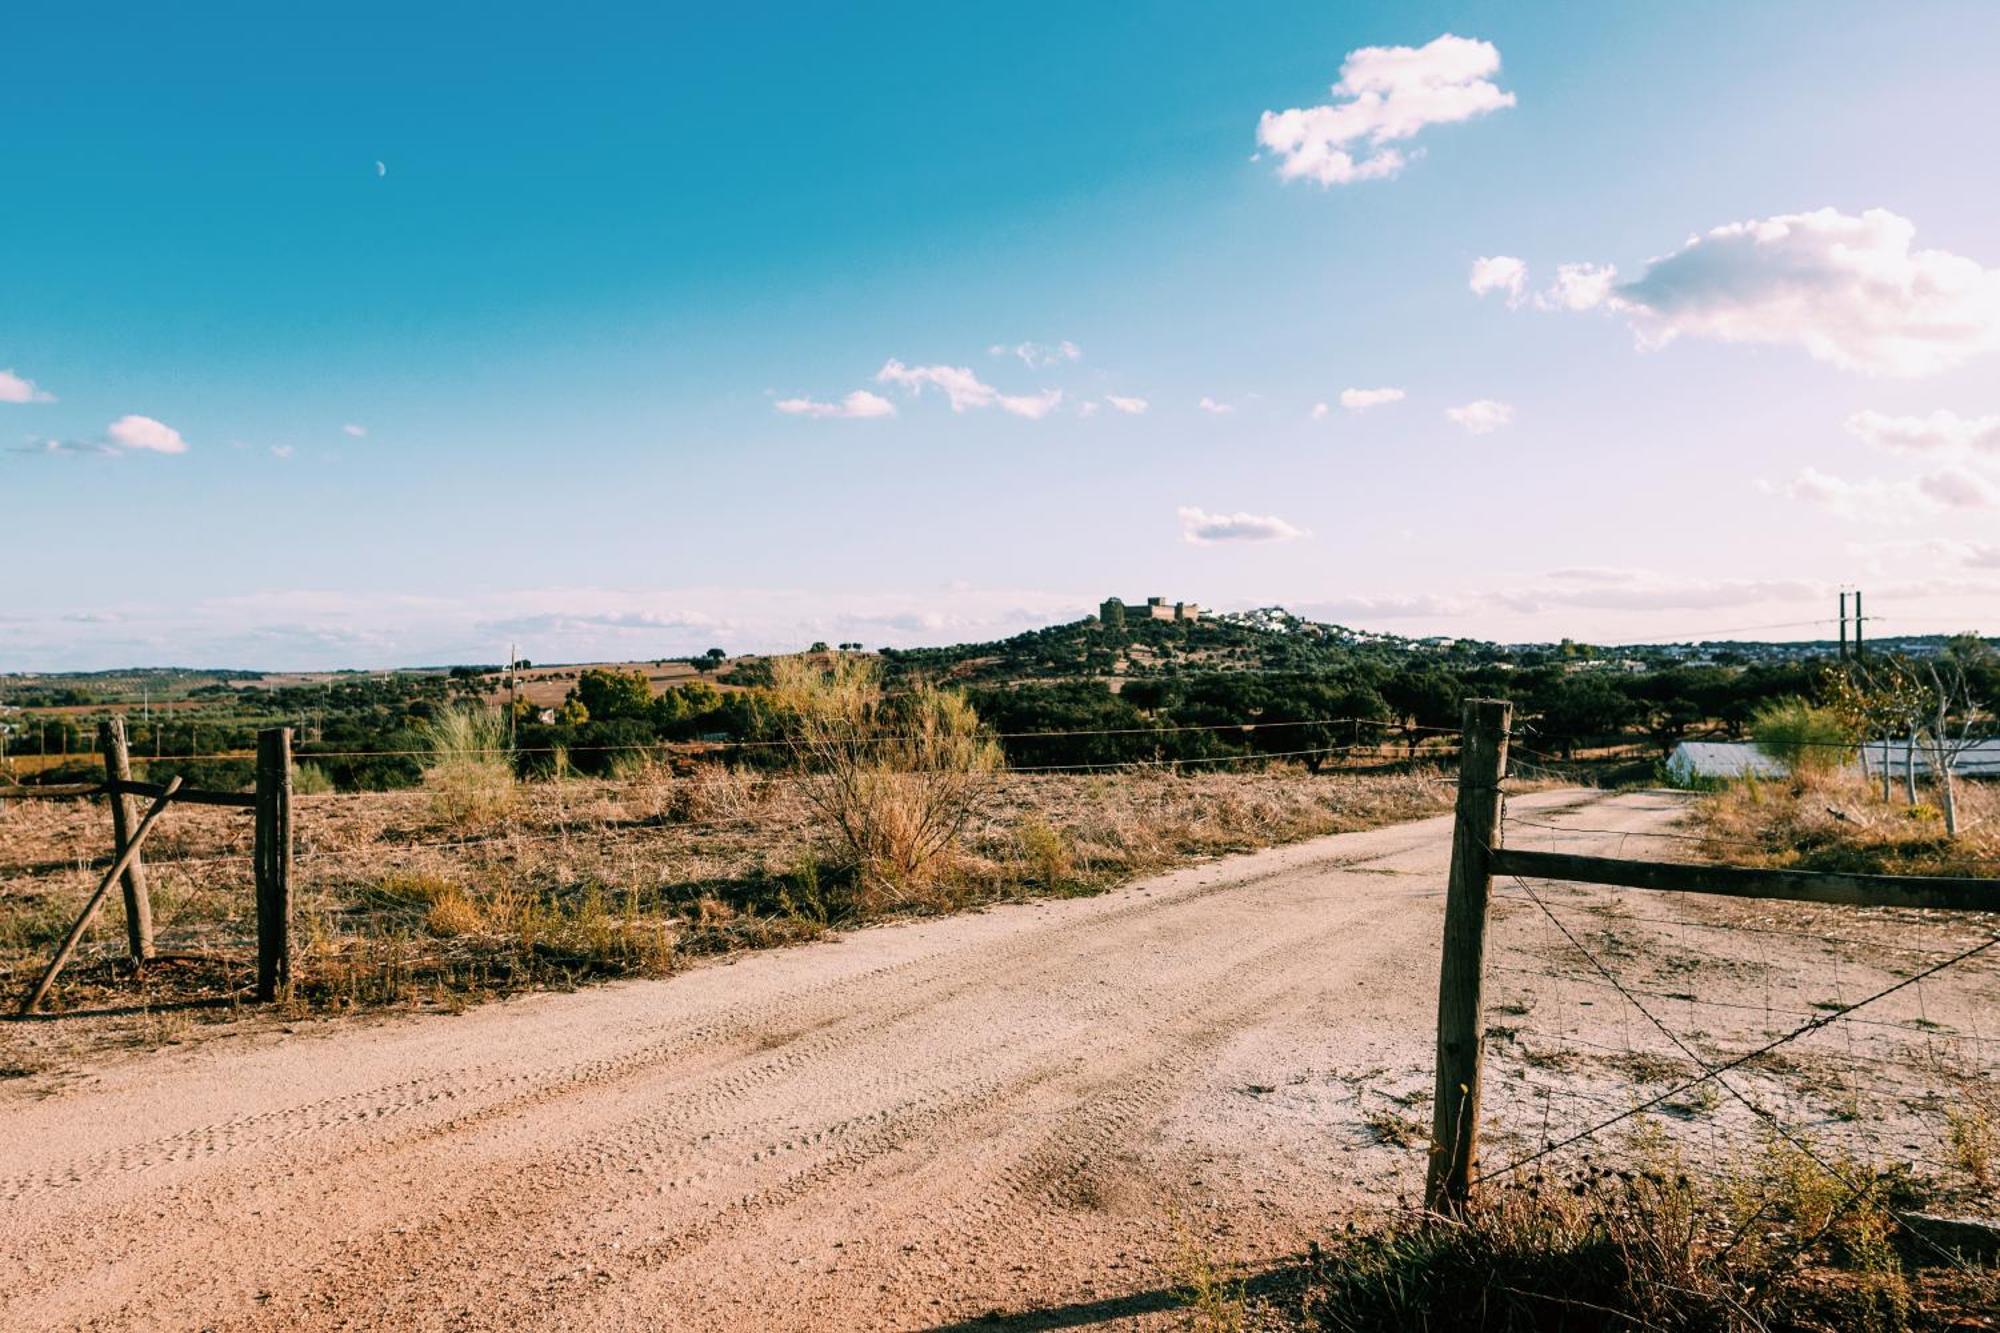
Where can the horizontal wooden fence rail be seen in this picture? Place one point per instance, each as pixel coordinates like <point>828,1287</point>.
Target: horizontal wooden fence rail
<point>242,800</point>
<point>1799,886</point>
<point>188,795</point>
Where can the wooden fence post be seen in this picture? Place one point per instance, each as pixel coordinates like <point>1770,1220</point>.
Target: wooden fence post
<point>111,876</point>
<point>273,862</point>
<point>1461,1036</point>
<point>124,818</point>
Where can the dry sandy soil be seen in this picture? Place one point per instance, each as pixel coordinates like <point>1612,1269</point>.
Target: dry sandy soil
<point>1027,1117</point>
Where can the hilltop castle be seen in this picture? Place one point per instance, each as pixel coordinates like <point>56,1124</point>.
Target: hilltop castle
<point>1116,612</point>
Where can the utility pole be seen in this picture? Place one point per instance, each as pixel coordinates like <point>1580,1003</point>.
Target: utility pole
<point>513,714</point>
<point>1859,620</point>
<point>1843,626</point>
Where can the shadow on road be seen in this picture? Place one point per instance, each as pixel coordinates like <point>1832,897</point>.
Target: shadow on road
<point>1084,1314</point>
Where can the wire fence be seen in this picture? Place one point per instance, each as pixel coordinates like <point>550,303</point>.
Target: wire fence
<point>1742,1027</point>
<point>1745,1025</point>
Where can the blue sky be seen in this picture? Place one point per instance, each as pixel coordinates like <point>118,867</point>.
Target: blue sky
<point>563,367</point>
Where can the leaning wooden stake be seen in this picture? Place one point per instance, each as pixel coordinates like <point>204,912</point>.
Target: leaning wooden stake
<point>1461,1035</point>
<point>138,901</point>
<point>111,876</point>
<point>273,862</point>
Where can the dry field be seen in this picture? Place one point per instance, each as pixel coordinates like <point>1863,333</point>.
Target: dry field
<point>1839,821</point>
<point>403,902</point>
<point>1132,1109</point>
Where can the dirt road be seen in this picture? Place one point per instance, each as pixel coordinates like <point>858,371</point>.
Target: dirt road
<point>1041,1112</point>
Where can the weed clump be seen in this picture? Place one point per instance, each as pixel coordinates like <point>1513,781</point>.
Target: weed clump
<point>893,777</point>
<point>470,775</point>
<point>1783,1245</point>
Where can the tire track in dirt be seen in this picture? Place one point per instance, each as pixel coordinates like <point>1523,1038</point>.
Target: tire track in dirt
<point>1012,1067</point>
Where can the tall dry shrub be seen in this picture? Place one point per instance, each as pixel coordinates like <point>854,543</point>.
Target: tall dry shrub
<point>1804,738</point>
<point>893,775</point>
<point>469,773</point>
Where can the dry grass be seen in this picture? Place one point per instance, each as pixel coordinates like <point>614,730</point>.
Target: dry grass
<point>469,774</point>
<point>1769,1243</point>
<point>400,903</point>
<point>895,777</point>
<point>1839,822</point>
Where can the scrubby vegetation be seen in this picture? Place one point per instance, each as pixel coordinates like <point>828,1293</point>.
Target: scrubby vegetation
<point>1841,821</point>
<point>1640,1241</point>
<point>400,903</point>
<point>1149,690</point>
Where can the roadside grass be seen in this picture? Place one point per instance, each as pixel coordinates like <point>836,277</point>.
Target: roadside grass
<point>439,896</point>
<point>1769,1244</point>
<point>1839,822</point>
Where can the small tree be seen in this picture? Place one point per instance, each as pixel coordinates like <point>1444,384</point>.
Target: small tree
<point>1953,719</point>
<point>607,693</point>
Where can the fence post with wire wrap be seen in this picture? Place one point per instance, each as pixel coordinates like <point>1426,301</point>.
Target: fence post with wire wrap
<point>273,862</point>
<point>1454,1152</point>
<point>125,818</point>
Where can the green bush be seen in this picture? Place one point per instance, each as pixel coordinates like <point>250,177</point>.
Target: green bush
<point>1802,737</point>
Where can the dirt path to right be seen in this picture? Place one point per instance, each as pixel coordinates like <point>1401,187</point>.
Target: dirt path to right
<point>1036,1116</point>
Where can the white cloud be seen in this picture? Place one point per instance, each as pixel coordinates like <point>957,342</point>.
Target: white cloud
<point>1849,290</point>
<point>1499,273</point>
<point>1087,409</point>
<point>1320,411</point>
<point>1033,406</point>
<point>17,389</point>
<point>1129,406</point>
<point>358,432</point>
<point>1958,488</point>
<point>281,451</point>
<point>137,432</point>
<point>966,391</point>
<point>858,405</point>
<point>1214,407</point>
<point>1386,94</point>
<point>1940,432</point>
<point>1482,416</point>
<point>962,388</point>
<point>1201,528</point>
<point>1035,355</point>
<point>1360,400</point>
<point>1878,501</point>
<point>1579,287</point>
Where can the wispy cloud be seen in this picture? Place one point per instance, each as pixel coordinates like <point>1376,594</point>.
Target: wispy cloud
<point>965,391</point>
<point>1360,400</point>
<point>1482,416</point>
<point>1879,501</point>
<point>1201,528</point>
<point>1033,406</point>
<point>1941,432</point>
<point>1386,94</point>
<point>281,451</point>
<point>16,389</point>
<point>1129,406</point>
<point>354,431</point>
<point>1215,407</point>
<point>1036,355</point>
<point>858,405</point>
